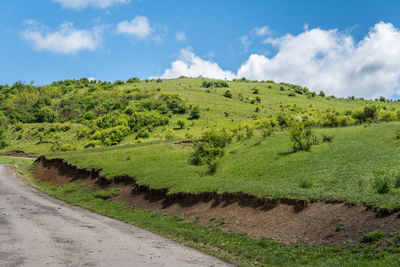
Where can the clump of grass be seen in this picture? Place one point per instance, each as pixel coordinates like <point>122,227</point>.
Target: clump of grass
<point>327,138</point>
<point>305,184</point>
<point>396,180</point>
<point>373,237</point>
<point>381,182</point>
<point>338,229</point>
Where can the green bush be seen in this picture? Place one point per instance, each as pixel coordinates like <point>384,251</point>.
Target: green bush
<point>92,143</point>
<point>208,84</point>
<point>18,126</point>
<point>301,136</point>
<point>194,113</point>
<point>111,136</point>
<point>210,149</point>
<point>228,94</point>
<point>327,138</point>
<point>181,123</point>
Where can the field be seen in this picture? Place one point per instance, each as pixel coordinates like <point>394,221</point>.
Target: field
<point>149,131</point>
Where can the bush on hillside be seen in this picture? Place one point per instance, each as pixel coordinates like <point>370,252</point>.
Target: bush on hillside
<point>301,136</point>
<point>208,84</point>
<point>210,149</point>
<point>194,113</point>
<point>228,94</point>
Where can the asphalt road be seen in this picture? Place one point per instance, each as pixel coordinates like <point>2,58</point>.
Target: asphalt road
<point>37,230</point>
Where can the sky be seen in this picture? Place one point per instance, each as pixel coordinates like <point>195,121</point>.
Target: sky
<point>344,48</point>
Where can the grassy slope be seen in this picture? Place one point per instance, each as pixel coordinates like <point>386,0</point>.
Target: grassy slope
<point>239,249</point>
<point>341,170</point>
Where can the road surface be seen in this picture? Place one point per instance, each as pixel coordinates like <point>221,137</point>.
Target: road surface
<point>37,230</point>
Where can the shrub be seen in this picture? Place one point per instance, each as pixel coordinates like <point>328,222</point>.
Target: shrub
<point>291,94</point>
<point>18,126</point>
<point>396,180</point>
<point>169,134</point>
<point>210,149</point>
<point>92,143</point>
<point>208,84</point>
<point>181,123</point>
<point>322,94</point>
<point>386,115</point>
<point>301,136</point>
<point>194,113</point>
<point>46,114</point>
<point>255,90</point>
<point>228,94</point>
<point>3,141</point>
<point>258,99</point>
<point>111,136</point>
<point>133,80</point>
<point>327,138</point>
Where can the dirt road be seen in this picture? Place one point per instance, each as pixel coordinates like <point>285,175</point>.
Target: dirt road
<point>37,230</point>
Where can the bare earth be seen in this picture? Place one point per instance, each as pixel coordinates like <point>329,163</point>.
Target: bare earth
<point>37,230</point>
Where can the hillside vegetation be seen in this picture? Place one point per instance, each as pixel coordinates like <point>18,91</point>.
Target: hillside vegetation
<point>264,138</point>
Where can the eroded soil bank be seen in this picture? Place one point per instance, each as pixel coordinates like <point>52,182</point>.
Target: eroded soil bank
<point>284,220</point>
<point>19,153</point>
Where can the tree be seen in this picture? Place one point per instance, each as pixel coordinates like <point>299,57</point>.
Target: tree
<point>181,123</point>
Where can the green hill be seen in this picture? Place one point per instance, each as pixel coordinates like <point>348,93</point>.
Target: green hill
<point>135,128</point>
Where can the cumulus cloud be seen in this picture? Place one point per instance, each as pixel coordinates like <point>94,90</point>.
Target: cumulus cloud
<point>190,65</point>
<point>80,4</point>
<point>66,39</point>
<point>330,60</point>
<point>138,27</point>
<point>180,36</point>
<point>327,60</point>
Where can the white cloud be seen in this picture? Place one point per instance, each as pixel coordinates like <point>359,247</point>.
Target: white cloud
<point>65,40</point>
<point>256,32</point>
<point>261,31</point>
<point>180,36</point>
<point>80,4</point>
<point>326,60</point>
<point>190,65</point>
<point>331,61</point>
<point>139,27</point>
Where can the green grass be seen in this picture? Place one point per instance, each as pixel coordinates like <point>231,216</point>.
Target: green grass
<point>340,170</point>
<point>236,248</point>
<point>12,160</point>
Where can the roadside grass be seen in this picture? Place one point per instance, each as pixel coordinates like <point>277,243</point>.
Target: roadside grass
<point>341,170</point>
<point>15,160</point>
<point>236,248</point>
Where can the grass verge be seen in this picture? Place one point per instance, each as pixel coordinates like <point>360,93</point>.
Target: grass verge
<point>237,248</point>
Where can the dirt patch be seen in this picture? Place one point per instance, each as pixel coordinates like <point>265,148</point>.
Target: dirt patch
<point>19,153</point>
<point>284,220</point>
<point>187,143</point>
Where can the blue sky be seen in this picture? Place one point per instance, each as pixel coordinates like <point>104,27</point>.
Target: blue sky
<point>47,40</point>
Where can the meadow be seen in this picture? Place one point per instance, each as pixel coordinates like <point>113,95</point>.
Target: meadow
<point>273,140</point>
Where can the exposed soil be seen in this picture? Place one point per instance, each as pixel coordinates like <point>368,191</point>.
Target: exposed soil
<point>187,143</point>
<point>19,153</point>
<point>284,220</point>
